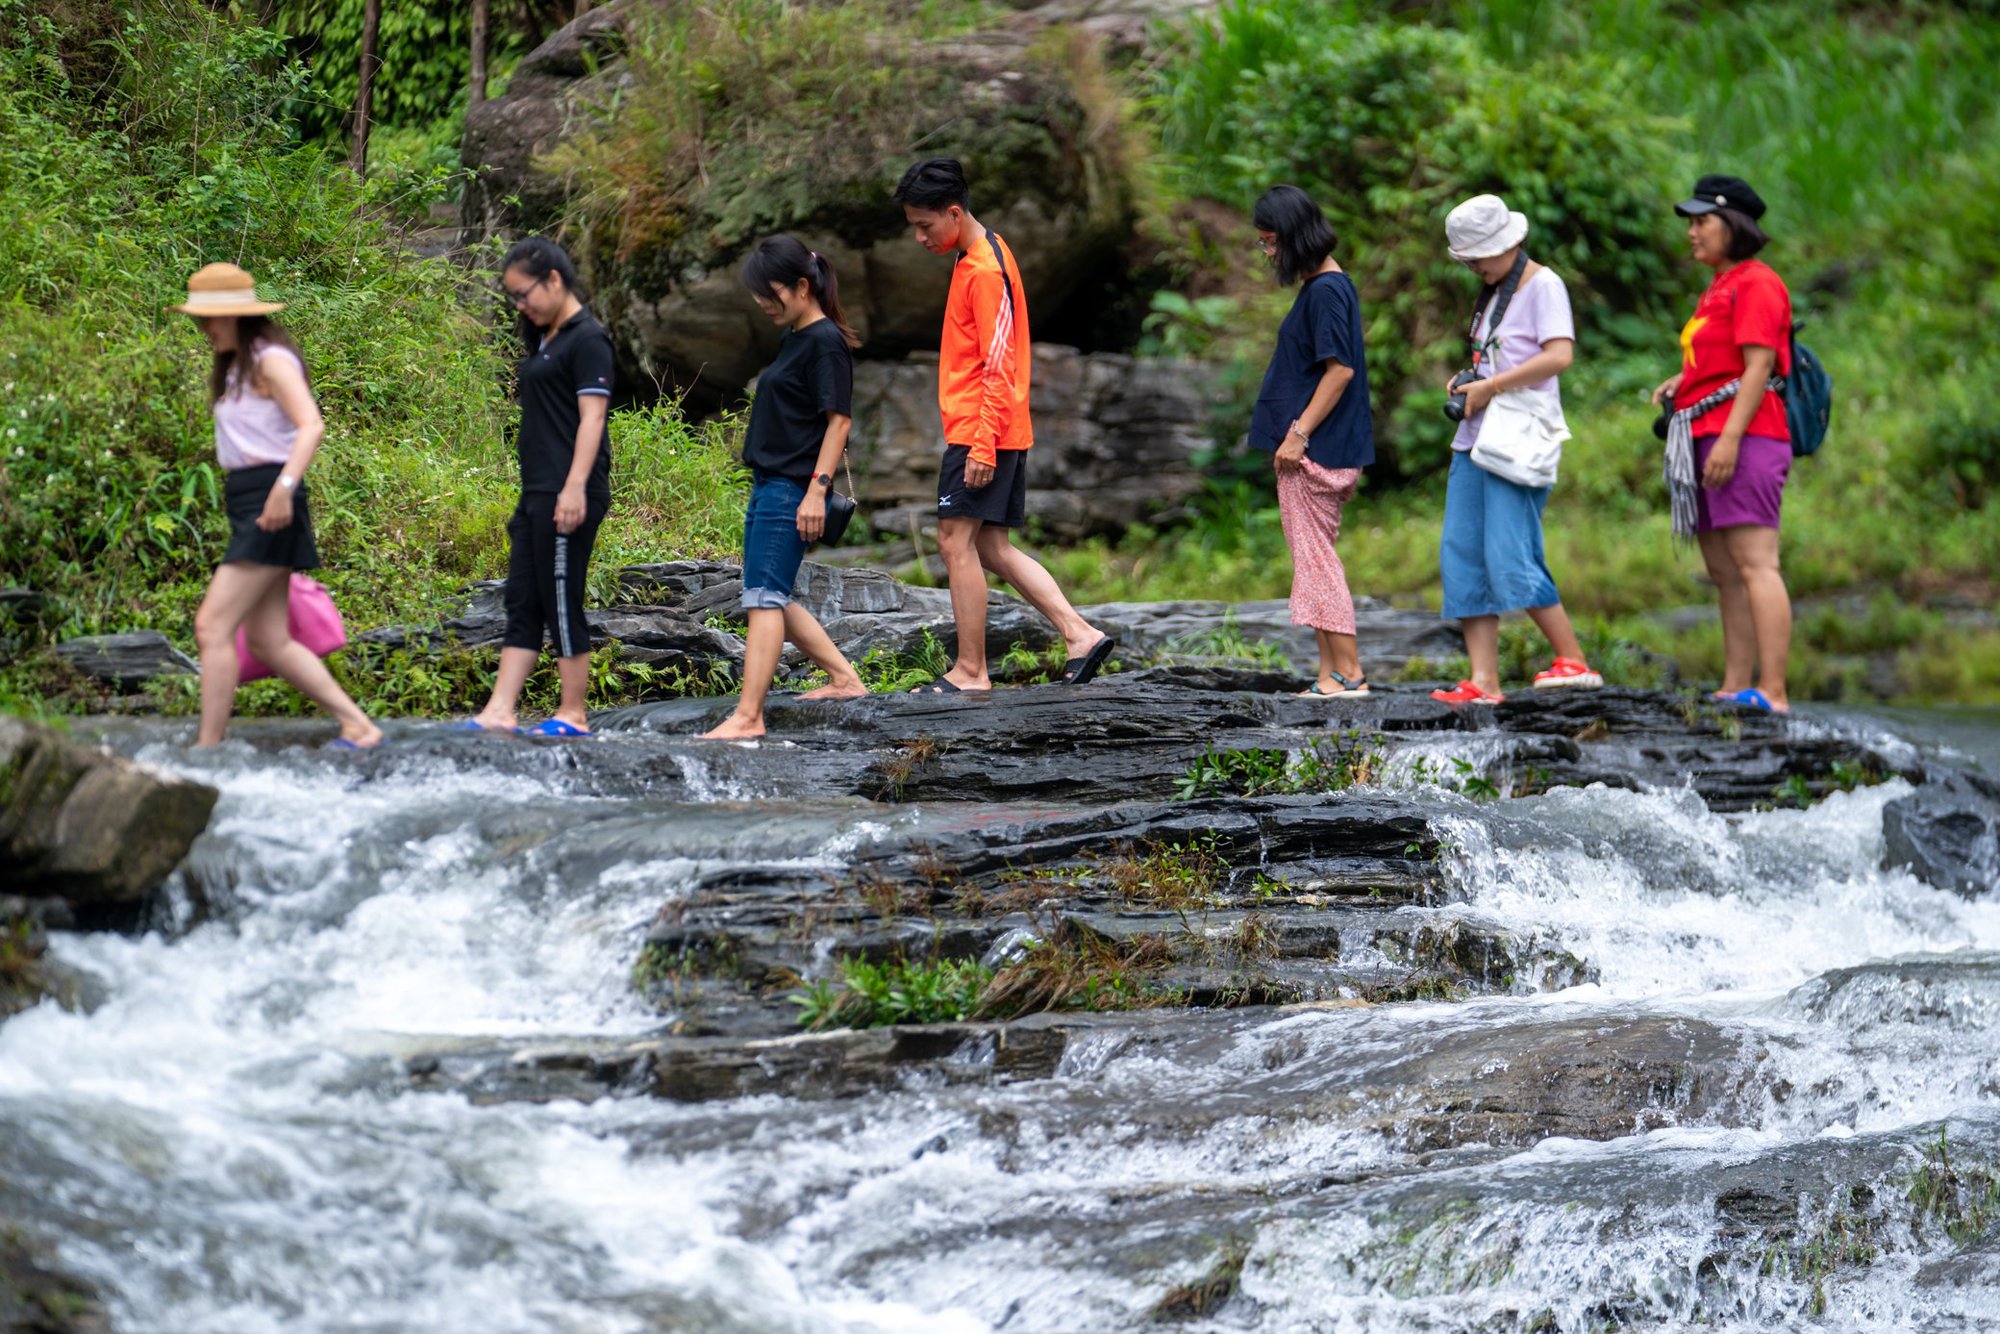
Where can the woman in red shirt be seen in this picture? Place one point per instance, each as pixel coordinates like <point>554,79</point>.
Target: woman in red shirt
<point>1728,448</point>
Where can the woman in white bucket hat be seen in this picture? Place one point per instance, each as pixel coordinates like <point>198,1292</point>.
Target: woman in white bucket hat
<point>1490,556</point>
<point>267,429</point>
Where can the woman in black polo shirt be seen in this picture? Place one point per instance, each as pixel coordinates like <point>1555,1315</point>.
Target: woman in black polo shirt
<point>798,431</point>
<point>565,450</point>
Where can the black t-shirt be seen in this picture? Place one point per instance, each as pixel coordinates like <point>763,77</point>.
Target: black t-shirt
<point>812,376</point>
<point>575,363</point>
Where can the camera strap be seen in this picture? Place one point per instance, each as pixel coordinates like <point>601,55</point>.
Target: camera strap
<point>1497,297</point>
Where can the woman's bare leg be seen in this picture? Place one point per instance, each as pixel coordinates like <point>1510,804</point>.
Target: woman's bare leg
<point>1739,629</point>
<point>1755,551</point>
<point>804,629</point>
<point>268,630</point>
<point>231,595</point>
<point>516,666</point>
<point>1482,650</point>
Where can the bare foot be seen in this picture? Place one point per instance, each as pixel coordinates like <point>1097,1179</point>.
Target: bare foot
<point>498,722</point>
<point>735,728</point>
<point>838,690</point>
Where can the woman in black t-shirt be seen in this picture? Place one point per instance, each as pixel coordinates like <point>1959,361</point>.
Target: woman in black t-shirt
<point>564,386</point>
<point>798,431</point>
<point>1312,415</point>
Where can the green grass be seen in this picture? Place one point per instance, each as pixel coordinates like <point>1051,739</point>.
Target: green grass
<point>1875,139</point>
<point>134,148</point>
<point>109,490</point>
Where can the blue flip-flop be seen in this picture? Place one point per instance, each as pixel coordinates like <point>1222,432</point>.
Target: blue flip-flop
<point>341,744</point>
<point>1754,698</point>
<point>554,727</point>
<point>474,725</point>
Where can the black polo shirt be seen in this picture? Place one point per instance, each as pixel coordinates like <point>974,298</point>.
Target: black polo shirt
<point>575,362</point>
<point>812,376</point>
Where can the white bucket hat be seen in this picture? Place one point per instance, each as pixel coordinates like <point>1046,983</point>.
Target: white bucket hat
<point>1482,227</point>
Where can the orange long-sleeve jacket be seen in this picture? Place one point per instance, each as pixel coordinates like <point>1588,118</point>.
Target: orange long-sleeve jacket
<point>983,358</point>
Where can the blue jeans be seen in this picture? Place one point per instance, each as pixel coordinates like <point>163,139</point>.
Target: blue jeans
<point>772,547</point>
<point>1491,553</point>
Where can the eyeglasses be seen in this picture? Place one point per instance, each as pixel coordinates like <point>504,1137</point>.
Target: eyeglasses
<point>517,298</point>
<point>1267,248</point>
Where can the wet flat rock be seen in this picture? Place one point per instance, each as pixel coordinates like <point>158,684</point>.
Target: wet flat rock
<point>1466,1088</point>
<point>1137,735</point>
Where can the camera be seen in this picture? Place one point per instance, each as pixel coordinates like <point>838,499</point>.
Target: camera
<point>1666,416</point>
<point>1454,406</point>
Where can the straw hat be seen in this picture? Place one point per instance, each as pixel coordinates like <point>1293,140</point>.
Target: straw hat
<point>224,289</point>
<point>1482,227</point>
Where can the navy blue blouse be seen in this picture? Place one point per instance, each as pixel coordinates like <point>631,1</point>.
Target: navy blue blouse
<point>1324,324</point>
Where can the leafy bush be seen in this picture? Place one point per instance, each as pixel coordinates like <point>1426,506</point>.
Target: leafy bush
<point>109,490</point>
<point>425,50</point>
<point>1389,126</point>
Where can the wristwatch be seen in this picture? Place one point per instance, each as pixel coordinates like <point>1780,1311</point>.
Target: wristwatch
<point>287,481</point>
<point>825,479</point>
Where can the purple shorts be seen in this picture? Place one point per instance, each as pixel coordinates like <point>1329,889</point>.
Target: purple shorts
<point>1754,492</point>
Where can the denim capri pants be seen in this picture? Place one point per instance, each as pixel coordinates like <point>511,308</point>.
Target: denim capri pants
<point>772,547</point>
<point>1491,554</point>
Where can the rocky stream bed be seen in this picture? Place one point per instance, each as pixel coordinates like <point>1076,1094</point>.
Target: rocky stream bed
<point>1224,1009</point>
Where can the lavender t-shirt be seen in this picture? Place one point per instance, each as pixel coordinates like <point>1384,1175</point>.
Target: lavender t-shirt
<point>1539,311</point>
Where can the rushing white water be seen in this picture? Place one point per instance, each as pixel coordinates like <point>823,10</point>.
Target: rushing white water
<point>223,1141</point>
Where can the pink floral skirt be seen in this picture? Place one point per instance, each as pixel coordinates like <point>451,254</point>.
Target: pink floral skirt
<point>1309,504</point>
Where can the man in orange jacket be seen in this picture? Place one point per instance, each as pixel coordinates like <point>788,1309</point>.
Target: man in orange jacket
<point>983,373</point>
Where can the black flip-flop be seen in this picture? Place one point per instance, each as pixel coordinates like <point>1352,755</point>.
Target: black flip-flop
<point>1079,671</point>
<point>939,685</point>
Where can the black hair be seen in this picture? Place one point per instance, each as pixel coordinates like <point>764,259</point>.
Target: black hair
<point>250,331</point>
<point>538,257</point>
<point>936,183</point>
<point>1305,237</point>
<point>1746,238</point>
<point>784,261</point>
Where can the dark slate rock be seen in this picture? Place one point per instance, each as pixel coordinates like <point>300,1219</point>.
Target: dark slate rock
<point>126,660</point>
<point>1948,834</point>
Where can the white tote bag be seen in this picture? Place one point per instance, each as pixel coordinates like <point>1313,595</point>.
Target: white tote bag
<point>1521,436</point>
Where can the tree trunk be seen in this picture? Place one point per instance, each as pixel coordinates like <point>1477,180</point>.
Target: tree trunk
<point>476,92</point>
<point>582,8</point>
<point>371,22</point>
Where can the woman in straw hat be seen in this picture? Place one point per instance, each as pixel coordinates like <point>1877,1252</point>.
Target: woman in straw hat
<point>1490,554</point>
<point>267,429</point>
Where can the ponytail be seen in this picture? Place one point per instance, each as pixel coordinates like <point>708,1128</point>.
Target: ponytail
<point>784,261</point>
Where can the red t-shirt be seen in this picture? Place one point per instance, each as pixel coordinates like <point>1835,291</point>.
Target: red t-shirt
<point>1746,304</point>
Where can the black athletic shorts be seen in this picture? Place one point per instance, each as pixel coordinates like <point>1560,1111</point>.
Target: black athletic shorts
<point>1002,501</point>
<point>545,575</point>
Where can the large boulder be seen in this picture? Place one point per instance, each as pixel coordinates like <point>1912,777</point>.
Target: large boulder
<point>1116,439</point>
<point>86,825</point>
<point>1044,157</point>
<point>1947,834</point>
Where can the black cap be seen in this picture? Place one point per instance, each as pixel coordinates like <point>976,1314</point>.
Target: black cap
<point>1714,192</point>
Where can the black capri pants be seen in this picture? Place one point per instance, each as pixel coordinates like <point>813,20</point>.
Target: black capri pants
<point>545,575</point>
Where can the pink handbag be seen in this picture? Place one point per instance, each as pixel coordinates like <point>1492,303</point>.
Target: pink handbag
<point>315,622</point>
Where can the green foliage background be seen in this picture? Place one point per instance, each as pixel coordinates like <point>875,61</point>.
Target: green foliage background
<point>181,150</point>
<point>141,138</point>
